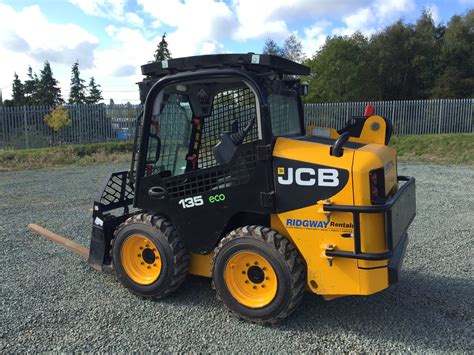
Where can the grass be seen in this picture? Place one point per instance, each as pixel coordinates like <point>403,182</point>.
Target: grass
<point>81,154</point>
<point>445,149</point>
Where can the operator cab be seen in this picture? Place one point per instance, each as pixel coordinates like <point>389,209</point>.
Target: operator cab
<point>207,135</point>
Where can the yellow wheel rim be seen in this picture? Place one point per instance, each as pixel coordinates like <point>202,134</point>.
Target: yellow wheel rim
<point>250,279</point>
<point>140,259</point>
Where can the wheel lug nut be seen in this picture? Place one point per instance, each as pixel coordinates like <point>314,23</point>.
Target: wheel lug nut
<point>254,287</point>
<point>263,286</point>
<point>256,263</point>
<point>243,272</point>
<point>141,248</point>
<point>267,278</point>
<point>139,255</point>
<point>264,268</point>
<point>247,264</point>
<point>142,263</point>
<point>154,265</point>
<point>147,246</point>
<point>148,267</point>
<point>246,281</point>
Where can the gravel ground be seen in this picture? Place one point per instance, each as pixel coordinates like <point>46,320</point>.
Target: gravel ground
<point>50,300</point>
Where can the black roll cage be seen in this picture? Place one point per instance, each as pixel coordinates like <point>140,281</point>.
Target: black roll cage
<point>250,79</point>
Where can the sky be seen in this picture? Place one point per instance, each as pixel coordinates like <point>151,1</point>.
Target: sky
<point>111,39</point>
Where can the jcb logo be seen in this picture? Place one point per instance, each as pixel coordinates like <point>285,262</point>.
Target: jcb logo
<point>308,177</point>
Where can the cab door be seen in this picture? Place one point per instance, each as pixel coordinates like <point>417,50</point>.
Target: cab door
<point>181,176</point>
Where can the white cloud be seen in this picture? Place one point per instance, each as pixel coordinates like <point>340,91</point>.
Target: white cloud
<point>256,20</point>
<point>156,24</point>
<point>386,11</point>
<point>117,68</point>
<point>109,9</point>
<point>314,37</point>
<point>101,8</point>
<point>200,25</point>
<point>37,40</point>
<point>270,18</point>
<point>133,19</point>
<point>212,47</point>
<point>368,20</point>
<point>111,30</point>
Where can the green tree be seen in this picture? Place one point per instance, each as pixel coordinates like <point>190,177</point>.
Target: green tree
<point>425,61</point>
<point>271,47</point>
<point>30,88</point>
<point>95,94</point>
<point>49,92</point>
<point>18,93</point>
<point>162,52</point>
<point>392,52</point>
<point>457,59</point>
<point>293,49</point>
<point>77,95</point>
<point>340,71</point>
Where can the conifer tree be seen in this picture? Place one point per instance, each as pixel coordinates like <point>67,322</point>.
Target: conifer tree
<point>30,88</point>
<point>18,91</point>
<point>48,92</point>
<point>77,95</point>
<point>162,52</point>
<point>95,94</point>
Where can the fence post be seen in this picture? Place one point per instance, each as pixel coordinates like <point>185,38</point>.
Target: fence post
<point>470,115</point>
<point>25,124</point>
<point>440,114</point>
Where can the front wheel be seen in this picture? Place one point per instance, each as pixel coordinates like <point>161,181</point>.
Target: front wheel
<point>148,256</point>
<point>258,274</point>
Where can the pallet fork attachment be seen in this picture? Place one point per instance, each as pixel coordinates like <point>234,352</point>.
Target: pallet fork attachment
<point>66,243</point>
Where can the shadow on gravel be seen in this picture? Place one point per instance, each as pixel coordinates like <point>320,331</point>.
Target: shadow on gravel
<point>416,311</point>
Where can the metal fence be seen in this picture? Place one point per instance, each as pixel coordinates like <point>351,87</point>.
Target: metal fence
<point>408,117</point>
<point>24,127</point>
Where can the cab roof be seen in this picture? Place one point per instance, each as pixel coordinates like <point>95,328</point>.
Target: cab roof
<point>249,61</point>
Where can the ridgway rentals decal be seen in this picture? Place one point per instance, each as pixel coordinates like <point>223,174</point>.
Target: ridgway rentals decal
<point>319,225</point>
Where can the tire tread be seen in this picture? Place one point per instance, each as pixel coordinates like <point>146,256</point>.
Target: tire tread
<point>289,254</point>
<point>179,253</point>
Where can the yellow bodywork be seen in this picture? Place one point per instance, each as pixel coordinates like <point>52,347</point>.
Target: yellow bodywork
<point>200,265</point>
<point>373,131</point>
<point>336,277</point>
<point>342,276</point>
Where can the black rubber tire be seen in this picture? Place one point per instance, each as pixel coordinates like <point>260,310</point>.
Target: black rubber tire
<point>174,256</point>
<point>284,258</point>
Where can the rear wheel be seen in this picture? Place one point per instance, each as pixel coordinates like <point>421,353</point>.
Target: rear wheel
<point>148,256</point>
<point>258,274</point>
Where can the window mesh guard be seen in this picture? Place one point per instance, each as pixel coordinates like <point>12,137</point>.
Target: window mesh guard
<point>232,111</point>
